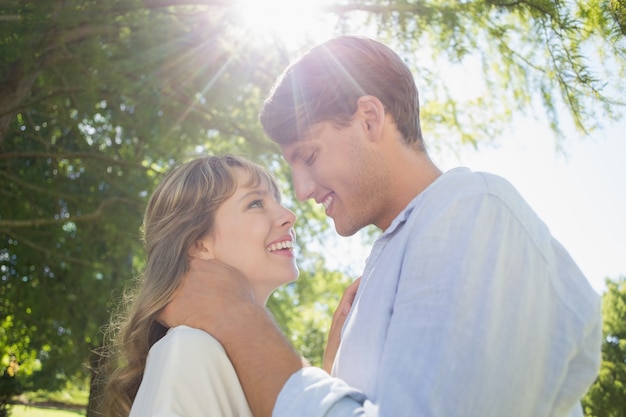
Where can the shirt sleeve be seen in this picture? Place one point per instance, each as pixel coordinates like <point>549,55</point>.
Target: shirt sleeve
<point>312,392</point>
<point>188,374</point>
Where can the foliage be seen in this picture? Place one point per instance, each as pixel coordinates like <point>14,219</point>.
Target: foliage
<point>304,309</point>
<point>607,395</point>
<point>535,55</point>
<point>99,98</point>
<point>9,385</point>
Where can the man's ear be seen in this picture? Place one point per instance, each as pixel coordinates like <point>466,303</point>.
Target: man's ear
<point>202,249</point>
<point>372,112</point>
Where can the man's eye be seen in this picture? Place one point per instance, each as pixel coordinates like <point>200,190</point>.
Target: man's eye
<point>311,158</point>
<point>255,204</point>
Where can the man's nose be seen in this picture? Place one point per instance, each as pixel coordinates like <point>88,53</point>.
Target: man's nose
<point>303,184</point>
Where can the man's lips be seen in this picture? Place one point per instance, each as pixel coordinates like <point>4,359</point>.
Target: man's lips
<point>327,201</point>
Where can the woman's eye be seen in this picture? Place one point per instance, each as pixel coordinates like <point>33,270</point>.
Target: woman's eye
<point>311,158</point>
<point>255,204</point>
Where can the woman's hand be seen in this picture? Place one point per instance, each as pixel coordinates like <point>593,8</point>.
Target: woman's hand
<point>339,317</point>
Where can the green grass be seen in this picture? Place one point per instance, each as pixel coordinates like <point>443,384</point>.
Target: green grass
<point>68,402</point>
<point>70,396</point>
<point>31,411</point>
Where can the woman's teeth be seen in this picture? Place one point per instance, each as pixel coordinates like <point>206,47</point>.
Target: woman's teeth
<point>287,244</point>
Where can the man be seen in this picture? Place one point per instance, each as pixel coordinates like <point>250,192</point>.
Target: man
<point>467,305</point>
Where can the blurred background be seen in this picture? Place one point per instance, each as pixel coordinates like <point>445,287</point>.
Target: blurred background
<point>98,99</point>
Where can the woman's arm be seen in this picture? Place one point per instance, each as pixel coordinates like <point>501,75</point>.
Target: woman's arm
<point>339,317</point>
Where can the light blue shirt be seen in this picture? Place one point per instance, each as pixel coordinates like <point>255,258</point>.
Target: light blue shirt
<point>467,307</point>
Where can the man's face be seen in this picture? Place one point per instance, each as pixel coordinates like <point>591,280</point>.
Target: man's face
<point>338,168</point>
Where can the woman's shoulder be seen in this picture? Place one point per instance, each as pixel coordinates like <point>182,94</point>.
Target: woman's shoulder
<point>189,374</point>
<point>189,340</point>
<point>189,333</point>
<point>184,351</point>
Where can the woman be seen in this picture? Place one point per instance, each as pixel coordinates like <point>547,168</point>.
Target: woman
<point>225,209</point>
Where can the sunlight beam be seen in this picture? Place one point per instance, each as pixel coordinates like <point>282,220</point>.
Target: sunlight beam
<point>290,21</point>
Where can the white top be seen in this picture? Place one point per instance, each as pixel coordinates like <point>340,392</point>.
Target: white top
<point>467,307</point>
<point>189,375</point>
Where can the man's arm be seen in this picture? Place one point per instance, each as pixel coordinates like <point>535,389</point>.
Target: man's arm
<point>261,355</point>
<point>216,298</point>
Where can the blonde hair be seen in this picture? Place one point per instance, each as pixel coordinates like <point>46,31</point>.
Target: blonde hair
<point>180,211</point>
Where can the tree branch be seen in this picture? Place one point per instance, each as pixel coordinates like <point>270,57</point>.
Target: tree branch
<point>27,185</point>
<point>161,4</point>
<point>97,214</point>
<point>47,251</point>
<point>73,155</point>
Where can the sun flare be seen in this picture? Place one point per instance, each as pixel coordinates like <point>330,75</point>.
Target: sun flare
<point>289,20</point>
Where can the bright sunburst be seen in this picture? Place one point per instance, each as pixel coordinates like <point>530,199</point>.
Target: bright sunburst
<point>292,21</point>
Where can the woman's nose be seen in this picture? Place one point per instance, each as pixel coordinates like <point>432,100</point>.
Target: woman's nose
<point>286,217</point>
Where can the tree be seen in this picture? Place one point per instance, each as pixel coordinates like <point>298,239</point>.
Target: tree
<point>99,98</point>
<point>607,395</point>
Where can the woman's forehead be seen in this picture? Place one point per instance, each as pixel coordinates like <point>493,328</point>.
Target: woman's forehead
<point>252,178</point>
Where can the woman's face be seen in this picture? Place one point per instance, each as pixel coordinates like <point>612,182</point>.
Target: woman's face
<point>254,233</point>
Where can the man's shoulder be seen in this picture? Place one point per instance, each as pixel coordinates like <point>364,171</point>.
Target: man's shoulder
<point>476,181</point>
<point>461,184</point>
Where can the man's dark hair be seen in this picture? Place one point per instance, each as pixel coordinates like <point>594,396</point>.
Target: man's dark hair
<point>325,83</point>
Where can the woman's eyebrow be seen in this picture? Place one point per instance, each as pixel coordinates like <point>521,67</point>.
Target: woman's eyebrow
<point>256,192</point>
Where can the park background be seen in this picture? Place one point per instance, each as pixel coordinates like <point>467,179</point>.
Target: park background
<point>100,98</point>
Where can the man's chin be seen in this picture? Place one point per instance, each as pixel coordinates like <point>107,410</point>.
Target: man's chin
<point>345,230</point>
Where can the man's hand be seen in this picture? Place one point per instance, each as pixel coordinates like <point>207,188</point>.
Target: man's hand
<point>216,298</point>
<point>208,297</point>
<point>339,317</point>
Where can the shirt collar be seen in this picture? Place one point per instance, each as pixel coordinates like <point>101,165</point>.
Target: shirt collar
<point>402,217</point>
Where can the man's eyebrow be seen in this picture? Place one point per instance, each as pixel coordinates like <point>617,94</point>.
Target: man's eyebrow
<point>294,154</point>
